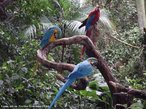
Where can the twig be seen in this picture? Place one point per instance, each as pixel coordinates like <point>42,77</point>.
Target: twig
<point>123,42</point>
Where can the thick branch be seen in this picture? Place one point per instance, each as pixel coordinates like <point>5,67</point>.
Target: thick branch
<point>116,89</point>
<point>61,66</point>
<point>136,93</point>
<point>84,40</point>
<point>77,39</point>
<point>49,64</point>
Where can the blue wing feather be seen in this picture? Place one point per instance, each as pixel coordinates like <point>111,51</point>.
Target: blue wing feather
<point>46,37</point>
<point>81,70</point>
<point>89,22</point>
<point>65,86</point>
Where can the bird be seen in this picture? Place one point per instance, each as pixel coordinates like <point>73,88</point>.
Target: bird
<point>50,35</point>
<point>91,20</point>
<point>81,70</point>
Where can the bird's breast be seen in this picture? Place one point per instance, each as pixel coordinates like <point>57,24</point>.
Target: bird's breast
<point>52,39</point>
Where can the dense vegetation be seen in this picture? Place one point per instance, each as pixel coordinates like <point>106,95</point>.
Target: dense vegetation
<point>24,82</point>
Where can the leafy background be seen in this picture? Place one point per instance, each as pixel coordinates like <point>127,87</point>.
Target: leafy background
<point>24,82</point>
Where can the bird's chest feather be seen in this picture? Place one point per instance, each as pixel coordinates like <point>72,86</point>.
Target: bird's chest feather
<point>54,35</point>
<point>52,39</point>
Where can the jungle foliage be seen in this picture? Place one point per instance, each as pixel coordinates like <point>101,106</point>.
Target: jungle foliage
<point>24,82</point>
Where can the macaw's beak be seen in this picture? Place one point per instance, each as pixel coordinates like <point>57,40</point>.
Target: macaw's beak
<point>94,64</point>
<point>55,35</point>
<point>93,61</point>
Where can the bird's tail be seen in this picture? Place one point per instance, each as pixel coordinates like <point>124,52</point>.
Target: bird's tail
<point>66,85</point>
<point>83,23</point>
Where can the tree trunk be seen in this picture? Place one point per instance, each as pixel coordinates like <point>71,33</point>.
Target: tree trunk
<point>141,14</point>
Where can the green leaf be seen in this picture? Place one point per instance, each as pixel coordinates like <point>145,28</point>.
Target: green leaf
<point>137,105</point>
<point>28,101</point>
<point>94,85</point>
<point>89,94</point>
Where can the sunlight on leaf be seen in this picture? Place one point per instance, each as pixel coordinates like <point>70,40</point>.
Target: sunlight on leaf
<point>90,94</point>
<point>137,105</point>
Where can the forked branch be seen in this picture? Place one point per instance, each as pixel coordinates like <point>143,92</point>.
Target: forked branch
<point>116,89</point>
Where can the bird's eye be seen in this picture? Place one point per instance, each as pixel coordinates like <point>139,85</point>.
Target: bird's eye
<point>55,34</point>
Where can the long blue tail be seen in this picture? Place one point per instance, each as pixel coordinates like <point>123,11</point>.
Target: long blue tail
<point>66,85</point>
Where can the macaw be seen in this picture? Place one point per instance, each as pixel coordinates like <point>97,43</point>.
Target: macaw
<point>51,35</point>
<point>81,70</point>
<point>92,18</point>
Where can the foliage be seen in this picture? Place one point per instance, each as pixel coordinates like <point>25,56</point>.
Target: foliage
<point>21,81</point>
<point>25,82</point>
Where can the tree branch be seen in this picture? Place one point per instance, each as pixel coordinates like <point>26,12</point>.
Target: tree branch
<point>116,89</point>
<point>77,39</point>
<point>123,42</point>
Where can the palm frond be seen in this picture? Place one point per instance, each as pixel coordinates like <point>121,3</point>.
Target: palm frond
<point>30,31</point>
<point>72,27</point>
<point>104,23</point>
<point>45,23</point>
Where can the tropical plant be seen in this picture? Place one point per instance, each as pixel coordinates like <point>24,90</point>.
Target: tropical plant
<point>25,82</point>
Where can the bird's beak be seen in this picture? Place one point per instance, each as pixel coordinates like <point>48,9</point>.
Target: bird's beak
<point>55,34</point>
<point>94,64</point>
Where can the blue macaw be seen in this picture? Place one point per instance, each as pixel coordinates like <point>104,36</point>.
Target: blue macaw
<point>81,70</point>
<point>51,35</point>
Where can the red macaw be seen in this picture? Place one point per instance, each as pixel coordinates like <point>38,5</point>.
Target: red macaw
<point>91,20</point>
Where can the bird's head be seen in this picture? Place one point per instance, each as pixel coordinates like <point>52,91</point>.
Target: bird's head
<point>56,33</point>
<point>93,61</point>
<point>97,7</point>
